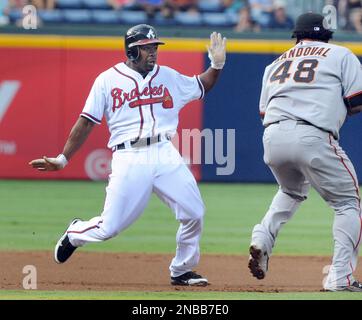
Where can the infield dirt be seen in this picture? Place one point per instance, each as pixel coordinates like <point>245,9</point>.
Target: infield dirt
<point>149,272</point>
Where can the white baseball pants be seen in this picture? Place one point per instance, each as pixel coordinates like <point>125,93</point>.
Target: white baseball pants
<point>301,156</point>
<point>136,173</point>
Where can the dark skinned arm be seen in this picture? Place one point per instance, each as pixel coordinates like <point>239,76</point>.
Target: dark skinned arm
<point>78,135</point>
<point>209,78</point>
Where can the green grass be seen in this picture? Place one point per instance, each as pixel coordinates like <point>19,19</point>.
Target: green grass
<point>113,295</point>
<point>34,213</point>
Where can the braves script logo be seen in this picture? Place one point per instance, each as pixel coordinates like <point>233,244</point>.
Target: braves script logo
<point>155,94</point>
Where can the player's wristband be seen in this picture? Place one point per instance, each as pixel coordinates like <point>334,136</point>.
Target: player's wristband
<point>217,66</point>
<point>62,160</point>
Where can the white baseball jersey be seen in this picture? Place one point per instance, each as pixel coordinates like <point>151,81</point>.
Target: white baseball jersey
<point>137,107</point>
<point>309,82</point>
<point>144,107</point>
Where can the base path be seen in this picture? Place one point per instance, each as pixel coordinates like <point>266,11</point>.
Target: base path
<point>149,272</point>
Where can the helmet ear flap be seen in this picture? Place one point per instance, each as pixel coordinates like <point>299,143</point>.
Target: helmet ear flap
<point>133,53</point>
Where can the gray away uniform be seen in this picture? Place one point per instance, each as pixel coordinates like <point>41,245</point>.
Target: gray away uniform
<point>303,108</point>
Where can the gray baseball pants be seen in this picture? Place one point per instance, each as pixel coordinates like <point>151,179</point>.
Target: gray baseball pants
<point>301,156</point>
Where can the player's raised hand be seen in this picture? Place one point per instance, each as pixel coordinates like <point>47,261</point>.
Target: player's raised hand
<point>217,50</point>
<point>49,164</point>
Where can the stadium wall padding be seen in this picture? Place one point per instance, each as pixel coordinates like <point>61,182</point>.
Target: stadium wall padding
<point>234,104</point>
<point>44,81</point>
<point>44,85</point>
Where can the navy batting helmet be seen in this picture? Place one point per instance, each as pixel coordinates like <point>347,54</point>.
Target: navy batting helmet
<point>139,35</point>
<point>311,25</point>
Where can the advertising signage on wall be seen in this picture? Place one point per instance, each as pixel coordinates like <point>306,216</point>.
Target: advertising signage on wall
<point>43,88</point>
<point>45,80</point>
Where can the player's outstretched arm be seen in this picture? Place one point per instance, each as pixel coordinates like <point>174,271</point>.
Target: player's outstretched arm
<point>78,135</point>
<point>217,56</point>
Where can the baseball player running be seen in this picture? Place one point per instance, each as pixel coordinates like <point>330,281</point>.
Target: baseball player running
<point>307,93</point>
<point>140,101</point>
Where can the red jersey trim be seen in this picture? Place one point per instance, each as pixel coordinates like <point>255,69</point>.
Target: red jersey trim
<point>354,95</point>
<point>151,105</point>
<point>140,109</point>
<point>87,229</point>
<point>90,117</point>
<point>355,186</point>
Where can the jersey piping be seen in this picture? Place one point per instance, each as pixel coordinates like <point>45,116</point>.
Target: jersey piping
<point>151,105</point>
<point>90,117</point>
<point>202,89</point>
<point>138,98</point>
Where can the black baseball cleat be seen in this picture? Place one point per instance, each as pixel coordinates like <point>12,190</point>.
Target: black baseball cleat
<point>354,287</point>
<point>64,249</point>
<point>189,279</point>
<point>258,261</point>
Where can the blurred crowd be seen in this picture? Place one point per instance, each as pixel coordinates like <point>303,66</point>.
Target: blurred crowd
<point>252,15</point>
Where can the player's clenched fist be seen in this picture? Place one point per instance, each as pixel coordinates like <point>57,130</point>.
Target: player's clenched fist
<point>49,164</point>
<point>216,50</point>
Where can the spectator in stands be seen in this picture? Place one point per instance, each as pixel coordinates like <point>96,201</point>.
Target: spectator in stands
<point>245,22</point>
<point>261,11</point>
<point>17,4</point>
<point>279,18</point>
<point>182,5</point>
<point>119,4</point>
<point>234,5</point>
<point>4,19</point>
<point>43,4</point>
<point>170,7</point>
<point>150,6</point>
<point>354,8</point>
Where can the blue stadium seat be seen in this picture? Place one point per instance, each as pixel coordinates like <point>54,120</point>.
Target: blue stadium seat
<point>217,19</point>
<point>132,17</point>
<point>15,15</point>
<point>77,16</point>
<point>233,17</point>
<point>131,6</point>
<point>68,4</point>
<point>51,16</point>
<point>96,4</point>
<point>105,16</point>
<point>188,19</point>
<point>210,6</point>
<point>160,20</point>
